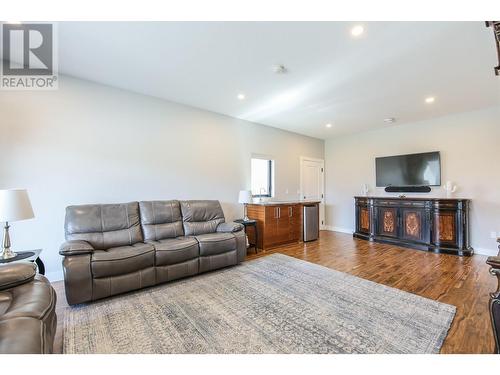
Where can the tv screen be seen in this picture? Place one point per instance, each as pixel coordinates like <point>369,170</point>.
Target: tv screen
<point>409,170</point>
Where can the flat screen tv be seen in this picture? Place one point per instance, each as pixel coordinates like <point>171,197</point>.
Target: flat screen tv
<point>409,170</point>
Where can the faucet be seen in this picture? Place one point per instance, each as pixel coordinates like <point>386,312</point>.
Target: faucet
<point>261,190</point>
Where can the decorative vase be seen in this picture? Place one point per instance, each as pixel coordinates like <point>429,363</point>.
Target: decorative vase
<point>450,188</point>
<point>365,189</point>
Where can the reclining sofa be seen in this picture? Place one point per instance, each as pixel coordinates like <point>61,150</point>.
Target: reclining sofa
<point>27,310</point>
<point>115,248</point>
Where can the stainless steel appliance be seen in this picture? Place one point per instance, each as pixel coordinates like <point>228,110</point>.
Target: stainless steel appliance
<point>311,222</point>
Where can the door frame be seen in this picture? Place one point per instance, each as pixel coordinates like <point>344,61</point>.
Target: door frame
<point>322,223</point>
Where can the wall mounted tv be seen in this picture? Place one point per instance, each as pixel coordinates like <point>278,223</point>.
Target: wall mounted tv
<point>409,170</point>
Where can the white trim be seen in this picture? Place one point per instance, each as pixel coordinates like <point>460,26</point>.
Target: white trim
<point>273,173</point>
<point>322,216</point>
<point>316,160</point>
<point>54,276</point>
<point>338,229</point>
<point>482,251</point>
<point>302,158</point>
<point>261,156</point>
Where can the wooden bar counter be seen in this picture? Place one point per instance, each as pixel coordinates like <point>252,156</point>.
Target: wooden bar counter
<point>278,223</point>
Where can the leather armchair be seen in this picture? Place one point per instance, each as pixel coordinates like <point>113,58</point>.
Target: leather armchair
<point>27,310</point>
<point>16,274</point>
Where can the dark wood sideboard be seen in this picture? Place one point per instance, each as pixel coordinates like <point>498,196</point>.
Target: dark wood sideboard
<point>494,262</point>
<point>432,224</point>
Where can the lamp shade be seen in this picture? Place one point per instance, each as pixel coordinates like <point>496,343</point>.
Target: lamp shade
<point>245,196</point>
<point>15,205</point>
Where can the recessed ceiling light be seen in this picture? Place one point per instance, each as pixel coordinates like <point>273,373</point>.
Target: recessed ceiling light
<point>389,120</point>
<point>357,30</point>
<point>430,99</point>
<point>328,125</point>
<point>241,96</point>
<point>280,69</point>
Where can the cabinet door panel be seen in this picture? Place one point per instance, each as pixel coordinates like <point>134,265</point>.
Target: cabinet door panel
<point>294,222</point>
<point>364,219</point>
<point>270,233</point>
<point>445,228</point>
<point>387,221</point>
<point>413,227</point>
<point>283,223</point>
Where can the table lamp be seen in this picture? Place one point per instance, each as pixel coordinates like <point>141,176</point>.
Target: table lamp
<point>14,206</point>
<point>245,197</point>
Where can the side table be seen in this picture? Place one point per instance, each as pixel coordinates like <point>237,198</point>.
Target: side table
<point>250,223</point>
<point>30,256</point>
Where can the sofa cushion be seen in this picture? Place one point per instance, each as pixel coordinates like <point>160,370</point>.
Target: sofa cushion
<point>216,243</point>
<point>161,219</point>
<point>121,260</point>
<point>213,262</point>
<point>200,217</point>
<point>175,250</point>
<point>104,225</point>
<point>177,271</point>
<point>109,286</point>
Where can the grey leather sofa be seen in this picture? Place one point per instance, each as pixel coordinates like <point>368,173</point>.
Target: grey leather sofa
<point>27,310</point>
<point>116,248</point>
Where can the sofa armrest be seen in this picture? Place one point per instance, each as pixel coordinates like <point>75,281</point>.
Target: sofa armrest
<point>76,247</point>
<point>229,227</point>
<point>12,275</point>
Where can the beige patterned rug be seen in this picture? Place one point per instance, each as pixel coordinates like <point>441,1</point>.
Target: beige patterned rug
<point>274,304</point>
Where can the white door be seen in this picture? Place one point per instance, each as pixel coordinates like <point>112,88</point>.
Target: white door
<point>312,183</point>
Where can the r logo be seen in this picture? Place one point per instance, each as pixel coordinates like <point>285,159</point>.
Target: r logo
<point>27,49</point>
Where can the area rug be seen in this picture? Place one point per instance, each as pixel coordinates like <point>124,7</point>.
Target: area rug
<point>274,304</point>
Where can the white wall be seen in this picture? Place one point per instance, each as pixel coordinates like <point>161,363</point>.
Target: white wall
<point>470,156</point>
<point>88,143</point>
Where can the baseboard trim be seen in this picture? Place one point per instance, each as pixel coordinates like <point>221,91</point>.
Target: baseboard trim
<point>338,229</point>
<point>488,252</point>
<point>54,276</point>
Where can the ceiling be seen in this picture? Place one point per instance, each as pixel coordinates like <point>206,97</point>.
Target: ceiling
<point>332,77</point>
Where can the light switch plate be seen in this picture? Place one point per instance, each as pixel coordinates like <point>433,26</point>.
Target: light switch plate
<point>493,235</point>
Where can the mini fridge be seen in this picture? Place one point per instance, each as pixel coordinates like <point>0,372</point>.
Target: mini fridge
<point>311,222</point>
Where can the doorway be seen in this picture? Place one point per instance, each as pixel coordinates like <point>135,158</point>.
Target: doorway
<point>312,183</point>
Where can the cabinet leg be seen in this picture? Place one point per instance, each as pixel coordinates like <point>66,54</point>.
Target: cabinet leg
<point>40,265</point>
<point>256,239</point>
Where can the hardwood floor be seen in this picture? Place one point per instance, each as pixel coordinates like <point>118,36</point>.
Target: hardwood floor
<point>460,281</point>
